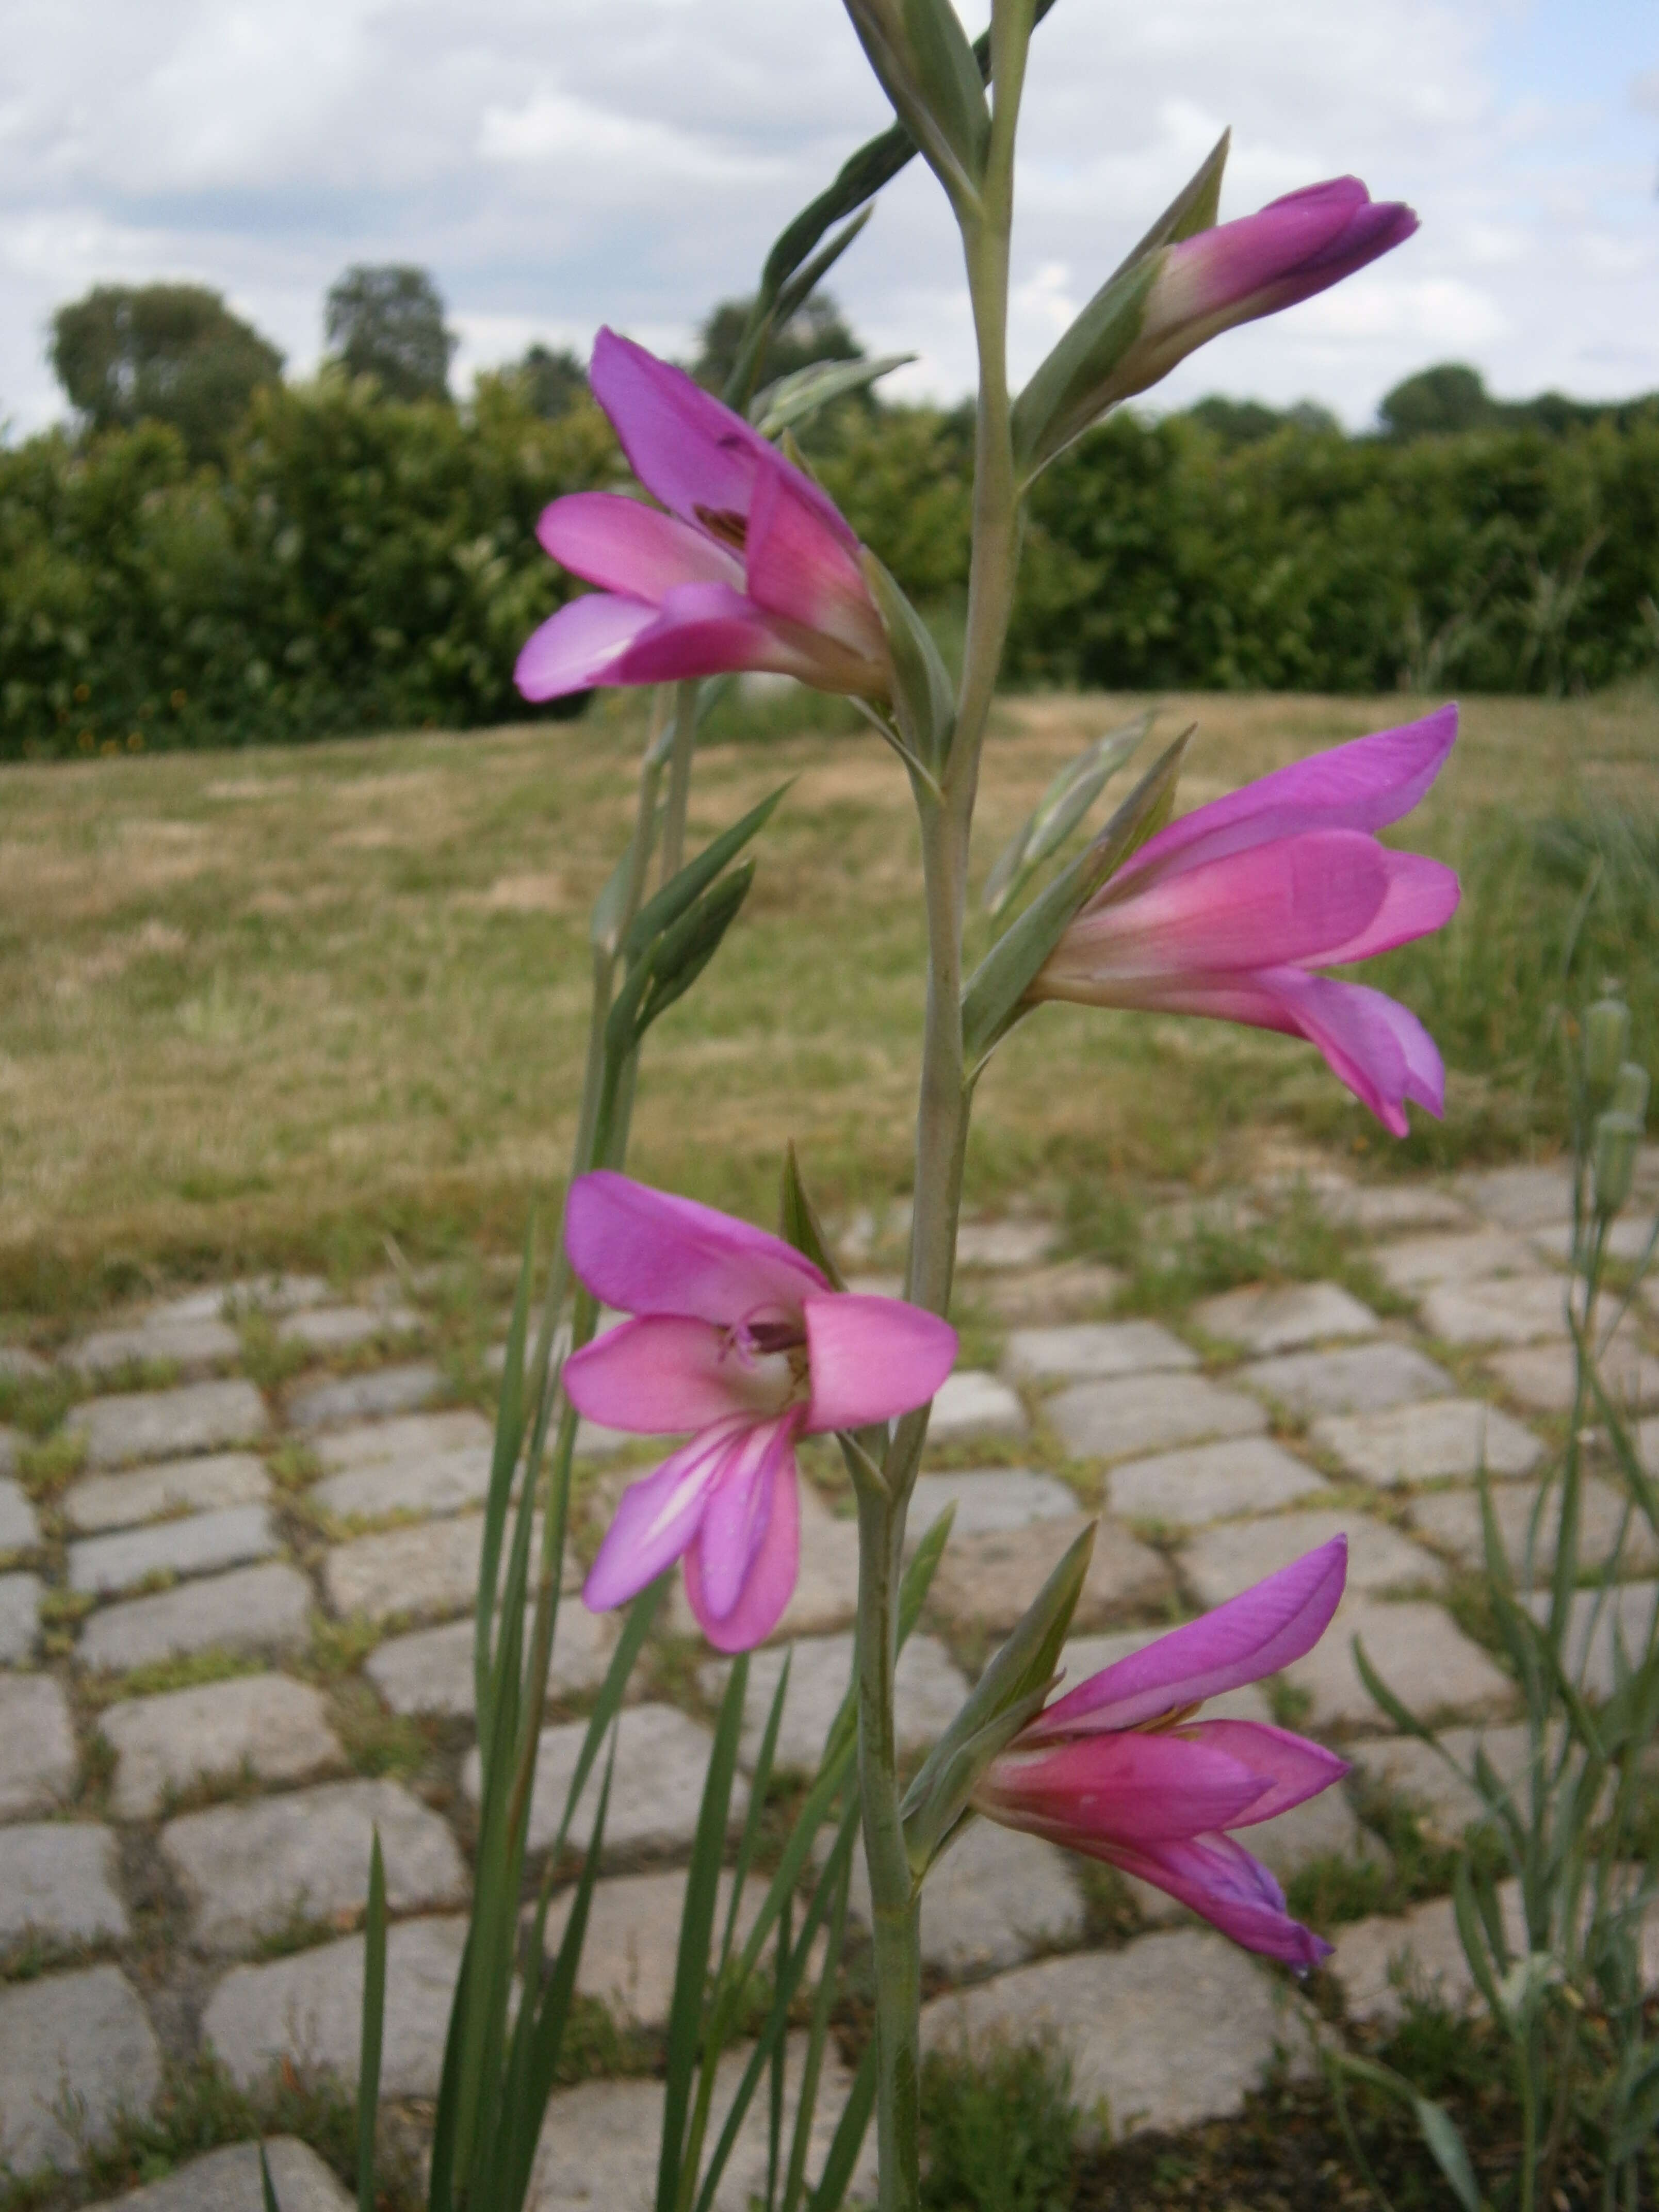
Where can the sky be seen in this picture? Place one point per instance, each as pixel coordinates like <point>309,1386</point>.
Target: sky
<point>562,163</point>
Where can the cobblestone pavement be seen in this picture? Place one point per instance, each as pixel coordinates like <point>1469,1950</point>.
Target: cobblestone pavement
<point>233,1590</point>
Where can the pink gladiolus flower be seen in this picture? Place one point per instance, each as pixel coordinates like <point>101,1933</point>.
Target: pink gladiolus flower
<point>737,1336</point>
<point>751,567</point>
<point>1224,912</point>
<point>1291,249</point>
<point>1120,1771</point>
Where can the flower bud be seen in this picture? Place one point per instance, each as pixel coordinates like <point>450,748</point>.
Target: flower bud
<point>1606,1034</point>
<point>1617,1138</point>
<point>1629,1091</point>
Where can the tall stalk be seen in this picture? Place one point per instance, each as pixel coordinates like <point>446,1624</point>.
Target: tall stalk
<point>941,1132</point>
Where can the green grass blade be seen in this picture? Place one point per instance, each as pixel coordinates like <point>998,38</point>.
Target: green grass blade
<point>440,2193</point>
<point>818,2037</point>
<point>266,2190</point>
<point>368,2063</point>
<point>509,1440</point>
<point>848,2138</point>
<point>685,2015</point>
<point>759,1783</point>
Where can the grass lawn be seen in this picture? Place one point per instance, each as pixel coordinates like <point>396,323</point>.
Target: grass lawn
<point>269,1005</point>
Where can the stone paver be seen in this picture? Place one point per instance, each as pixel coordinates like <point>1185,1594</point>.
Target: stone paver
<point>1426,1442</point>
<point>191,1345</point>
<point>228,2181</point>
<point>1543,1376</point>
<point>263,1723</point>
<point>971,1404</point>
<point>342,1328</point>
<point>1004,1243</point>
<point>1379,1963</point>
<point>929,1687</point>
<point>18,1365</point>
<point>141,1424</point>
<point>19,1531</point>
<point>1451,1519</point>
<point>430,1670</point>
<point>207,1485</point>
<point>249,1870</point>
<point>1226,1560</point>
<point>1422,1263</point>
<point>439,1482</point>
<point>662,1760</point>
<point>1091,1352</point>
<point>38,1757</point>
<point>102,1566</point>
<point>265,1609</point>
<point>986,1499</point>
<point>1520,1198</point>
<point>431,1568</point>
<point>1428,1663</point>
<point>599,2141</point>
<point>1174,2029</point>
<point>1361,1381</point>
<point>1282,1317</point>
<point>1384,1209</point>
<point>78,2043</point>
<point>408,1436</point>
<point>1447,1803</point>
<point>273,1294</point>
<point>1519,1311</point>
<point>55,1881</point>
<point>631,1947</point>
<point>1325,1826</point>
<point>1185,1489</point>
<point>308,2009</point>
<point>1052,1294</point>
<point>1147,1413</point>
<point>1601,1625</point>
<point>1627,1239</point>
<point>20,1616</point>
<point>361,1397</point>
<point>986,1583</point>
<point>994,1898</point>
<point>12,1442</point>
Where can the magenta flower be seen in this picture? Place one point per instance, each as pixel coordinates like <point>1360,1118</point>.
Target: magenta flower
<point>1224,912</point>
<point>1291,249</point>
<point>740,1338</point>
<point>1120,1771</point>
<point>751,567</point>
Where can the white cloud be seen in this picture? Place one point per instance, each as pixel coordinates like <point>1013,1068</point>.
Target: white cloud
<point>630,160</point>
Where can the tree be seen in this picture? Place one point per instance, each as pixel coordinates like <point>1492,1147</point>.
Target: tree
<point>386,320</point>
<point>172,352</point>
<point>815,331</point>
<point>552,381</point>
<point>1439,401</point>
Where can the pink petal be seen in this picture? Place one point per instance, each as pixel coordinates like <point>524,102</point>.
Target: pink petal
<point>1377,1047</point>
<point>1316,234</point>
<point>1290,901</point>
<point>1296,1769</point>
<point>771,1578</point>
<point>658,1517</point>
<point>659,1376</point>
<point>628,547</point>
<point>873,1357</point>
<point>800,569</point>
<point>697,457</point>
<point>1422,895</point>
<point>739,1511</point>
<point>580,646</point>
<point>1125,1787</point>
<point>1255,1633</point>
<point>646,1251</point>
<point>1218,1879</point>
<point>1363,785</point>
<point>709,629</point>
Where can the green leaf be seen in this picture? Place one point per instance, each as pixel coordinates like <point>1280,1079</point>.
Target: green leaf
<point>800,1225</point>
<point>681,892</point>
<point>1450,2154</point>
<point>795,399</point>
<point>994,997</point>
<point>923,702</point>
<point>373,2026</point>
<point>1073,386</point>
<point>674,961</point>
<point>1060,810</point>
<point>920,53</point>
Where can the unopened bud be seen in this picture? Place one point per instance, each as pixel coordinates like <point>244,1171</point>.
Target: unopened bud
<point>1606,1034</point>
<point>1617,1138</point>
<point>1629,1091</point>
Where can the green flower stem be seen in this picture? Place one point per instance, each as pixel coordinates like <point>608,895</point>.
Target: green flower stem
<point>684,745</point>
<point>941,1133</point>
